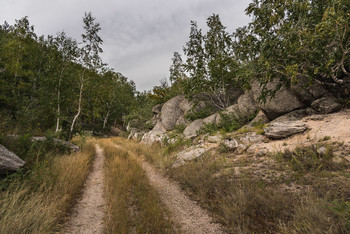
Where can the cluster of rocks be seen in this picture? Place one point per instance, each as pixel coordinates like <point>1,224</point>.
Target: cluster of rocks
<point>288,104</point>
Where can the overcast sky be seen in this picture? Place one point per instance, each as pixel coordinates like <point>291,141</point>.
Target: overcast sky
<point>139,36</point>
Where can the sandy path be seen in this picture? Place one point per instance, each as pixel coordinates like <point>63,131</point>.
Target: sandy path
<point>87,215</point>
<point>190,217</point>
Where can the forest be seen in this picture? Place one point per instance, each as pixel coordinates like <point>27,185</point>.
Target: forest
<point>57,84</point>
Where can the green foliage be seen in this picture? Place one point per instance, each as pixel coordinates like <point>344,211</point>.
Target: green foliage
<point>43,79</point>
<point>296,41</point>
<point>194,114</point>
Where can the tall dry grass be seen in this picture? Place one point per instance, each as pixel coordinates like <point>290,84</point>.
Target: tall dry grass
<point>40,203</point>
<point>133,205</point>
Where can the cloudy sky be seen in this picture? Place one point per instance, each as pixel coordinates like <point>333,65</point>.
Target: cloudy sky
<point>139,36</point>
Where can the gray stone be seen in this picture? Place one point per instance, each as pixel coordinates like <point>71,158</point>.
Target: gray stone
<point>188,155</point>
<point>157,109</point>
<point>214,139</point>
<point>302,94</point>
<point>192,129</point>
<point>260,118</point>
<point>231,143</point>
<point>279,130</point>
<point>322,151</point>
<point>283,102</point>
<point>327,104</point>
<point>157,134</point>
<point>171,112</point>
<point>253,138</point>
<point>212,119</point>
<point>9,161</point>
<point>317,91</point>
<point>185,105</point>
<point>71,146</point>
<point>247,106</point>
<point>292,116</point>
<point>241,148</point>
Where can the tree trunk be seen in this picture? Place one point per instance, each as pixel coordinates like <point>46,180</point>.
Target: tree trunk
<point>59,102</point>
<point>105,119</point>
<point>79,105</point>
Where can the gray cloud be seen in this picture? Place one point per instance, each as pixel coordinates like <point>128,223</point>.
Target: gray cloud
<point>139,36</point>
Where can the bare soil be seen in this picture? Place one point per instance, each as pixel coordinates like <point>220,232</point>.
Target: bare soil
<point>189,216</point>
<point>87,215</point>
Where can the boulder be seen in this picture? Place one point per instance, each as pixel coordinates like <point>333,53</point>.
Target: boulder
<point>185,105</point>
<point>157,109</point>
<point>283,102</point>
<point>327,104</point>
<point>192,129</point>
<point>247,106</point>
<point>71,146</point>
<point>214,118</point>
<point>214,139</point>
<point>155,135</point>
<point>171,112</point>
<point>232,144</point>
<point>116,131</point>
<point>292,116</point>
<point>260,118</point>
<point>9,161</point>
<point>279,130</point>
<point>317,91</point>
<point>253,138</point>
<point>188,155</point>
<point>302,94</point>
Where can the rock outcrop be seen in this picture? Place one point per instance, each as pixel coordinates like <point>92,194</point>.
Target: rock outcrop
<point>9,161</point>
<point>171,112</point>
<point>157,134</point>
<point>192,129</point>
<point>279,130</point>
<point>326,105</point>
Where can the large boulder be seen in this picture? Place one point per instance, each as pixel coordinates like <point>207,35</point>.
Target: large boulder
<point>247,105</point>
<point>171,112</point>
<point>188,155</point>
<point>214,118</point>
<point>9,162</point>
<point>284,101</point>
<point>279,130</point>
<point>192,129</point>
<point>155,135</point>
<point>327,104</point>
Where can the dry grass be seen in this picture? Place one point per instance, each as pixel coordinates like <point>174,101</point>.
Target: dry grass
<point>246,203</point>
<point>40,203</point>
<point>132,204</point>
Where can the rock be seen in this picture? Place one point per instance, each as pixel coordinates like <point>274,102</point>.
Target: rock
<point>317,91</point>
<point>157,109</point>
<point>241,148</point>
<point>171,112</point>
<point>192,129</point>
<point>181,121</point>
<point>247,106</point>
<point>283,102</point>
<point>188,154</point>
<point>327,104</point>
<point>253,138</point>
<point>279,130</point>
<point>214,139</point>
<point>185,105</point>
<point>155,135</point>
<point>71,146</point>
<point>9,161</point>
<point>233,111</point>
<point>260,118</point>
<point>212,119</point>
<point>231,144</point>
<point>292,116</point>
<point>322,151</point>
<point>302,94</point>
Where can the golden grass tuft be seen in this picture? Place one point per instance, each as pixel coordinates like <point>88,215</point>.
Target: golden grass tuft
<point>40,204</point>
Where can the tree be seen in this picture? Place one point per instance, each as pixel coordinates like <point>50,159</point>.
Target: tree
<point>211,63</point>
<point>176,69</point>
<point>293,41</point>
<point>89,56</point>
